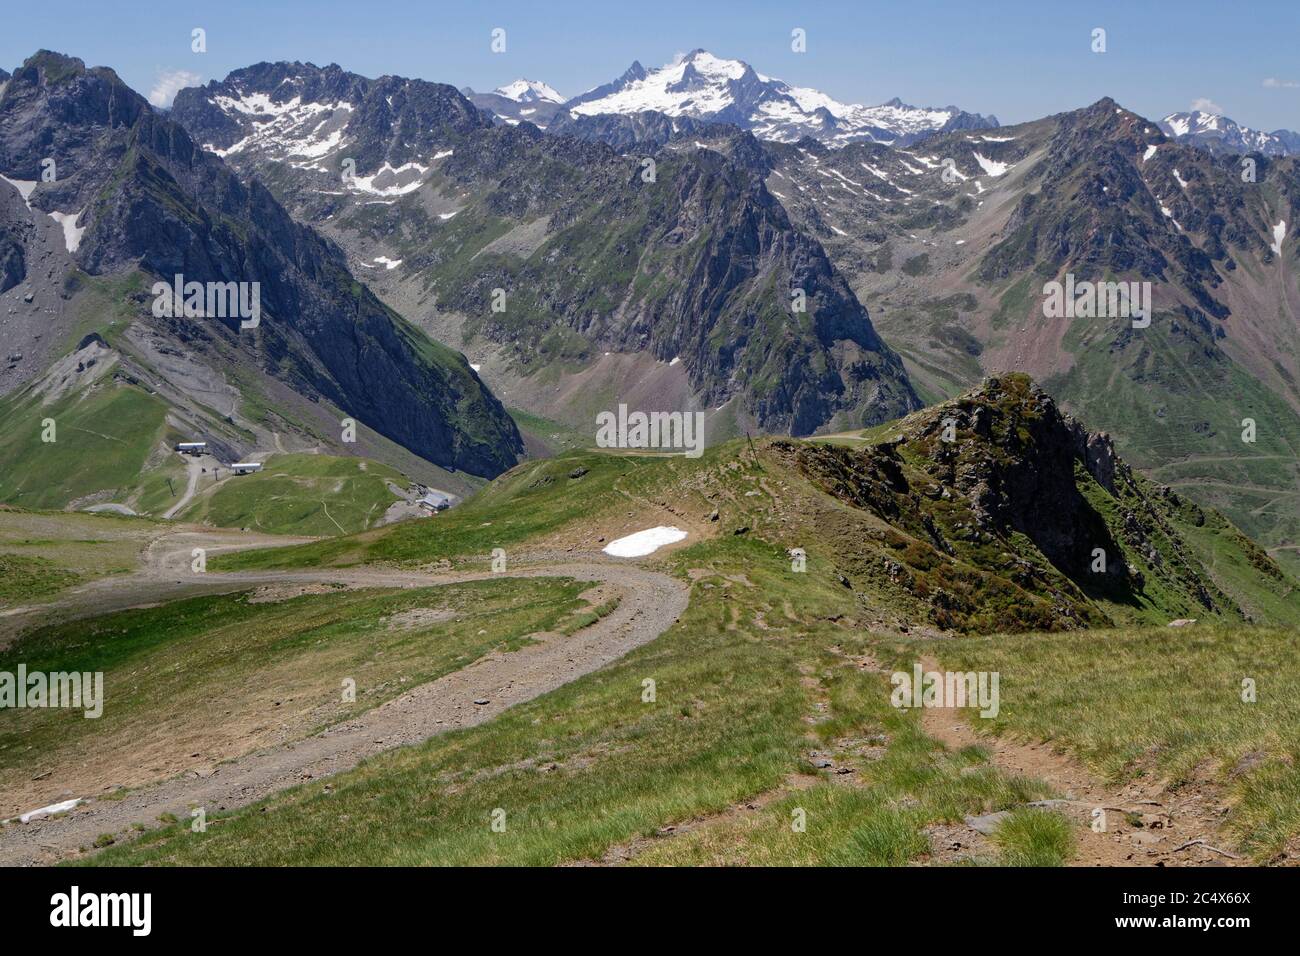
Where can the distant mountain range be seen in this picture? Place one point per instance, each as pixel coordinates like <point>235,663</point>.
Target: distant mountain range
<point>676,285</point>
<point>701,86</point>
<point>706,87</point>
<point>522,100</point>
<point>1220,134</point>
<point>948,237</point>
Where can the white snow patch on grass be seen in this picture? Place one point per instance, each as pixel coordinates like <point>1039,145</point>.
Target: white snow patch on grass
<point>1279,233</point>
<point>644,542</point>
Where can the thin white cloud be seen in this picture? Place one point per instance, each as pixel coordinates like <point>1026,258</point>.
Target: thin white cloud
<point>169,83</point>
<point>1206,105</point>
<point>1273,83</point>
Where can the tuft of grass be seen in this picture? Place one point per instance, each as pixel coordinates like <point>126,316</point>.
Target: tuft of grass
<point>1031,836</point>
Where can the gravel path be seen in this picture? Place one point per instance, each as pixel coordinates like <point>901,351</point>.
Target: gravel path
<point>650,603</point>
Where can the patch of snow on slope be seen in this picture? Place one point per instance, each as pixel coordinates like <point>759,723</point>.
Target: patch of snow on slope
<point>1279,233</point>
<point>71,234</point>
<point>1151,151</point>
<point>366,184</point>
<point>991,166</point>
<point>51,810</point>
<point>25,188</point>
<point>644,542</point>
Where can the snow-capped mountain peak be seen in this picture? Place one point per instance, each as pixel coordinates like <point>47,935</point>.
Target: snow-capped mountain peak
<point>1220,134</point>
<point>529,91</point>
<point>704,86</point>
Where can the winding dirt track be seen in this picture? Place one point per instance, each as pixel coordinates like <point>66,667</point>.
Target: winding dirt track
<point>192,471</point>
<point>650,603</point>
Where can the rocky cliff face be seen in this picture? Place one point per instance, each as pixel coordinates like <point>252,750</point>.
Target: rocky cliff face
<point>15,229</point>
<point>146,197</point>
<point>649,130</point>
<point>701,266</point>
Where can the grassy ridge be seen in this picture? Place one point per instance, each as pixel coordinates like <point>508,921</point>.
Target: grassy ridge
<point>43,552</point>
<point>23,577</point>
<point>527,502</point>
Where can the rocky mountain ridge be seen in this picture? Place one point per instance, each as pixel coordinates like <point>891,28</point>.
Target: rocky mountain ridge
<point>134,193</point>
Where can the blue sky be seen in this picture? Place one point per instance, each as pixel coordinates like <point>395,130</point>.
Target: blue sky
<point>1018,60</point>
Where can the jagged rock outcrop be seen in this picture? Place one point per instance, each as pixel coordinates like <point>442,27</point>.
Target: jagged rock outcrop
<point>1021,517</point>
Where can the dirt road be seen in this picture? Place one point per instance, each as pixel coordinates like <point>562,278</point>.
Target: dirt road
<point>193,469</point>
<point>649,604</point>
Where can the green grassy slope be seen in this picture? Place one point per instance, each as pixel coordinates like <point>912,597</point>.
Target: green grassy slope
<point>43,552</point>
<point>765,677</point>
<point>171,672</point>
<point>590,765</point>
<point>302,494</point>
<point>1174,709</point>
<point>102,441</point>
<point>1177,407</point>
